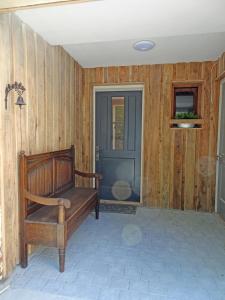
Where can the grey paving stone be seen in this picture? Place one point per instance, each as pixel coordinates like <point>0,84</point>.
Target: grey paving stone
<point>153,255</point>
<point>22,294</point>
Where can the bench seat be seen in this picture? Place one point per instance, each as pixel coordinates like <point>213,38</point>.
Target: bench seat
<point>79,198</point>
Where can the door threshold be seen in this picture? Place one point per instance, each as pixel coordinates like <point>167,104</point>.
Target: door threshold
<point>120,202</point>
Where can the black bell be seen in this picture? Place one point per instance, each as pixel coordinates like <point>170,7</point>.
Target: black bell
<point>20,101</point>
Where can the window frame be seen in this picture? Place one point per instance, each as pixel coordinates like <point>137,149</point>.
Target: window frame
<point>195,88</point>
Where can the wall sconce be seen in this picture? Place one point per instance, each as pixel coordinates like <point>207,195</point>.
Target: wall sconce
<point>19,88</point>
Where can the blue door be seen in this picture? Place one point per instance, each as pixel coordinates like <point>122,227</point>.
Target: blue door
<point>118,144</point>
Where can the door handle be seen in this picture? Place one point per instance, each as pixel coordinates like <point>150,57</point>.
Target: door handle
<point>97,153</point>
<point>220,156</point>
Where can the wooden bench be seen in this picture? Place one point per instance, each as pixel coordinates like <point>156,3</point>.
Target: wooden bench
<point>51,207</point>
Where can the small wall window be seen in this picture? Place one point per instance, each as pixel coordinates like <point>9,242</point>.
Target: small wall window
<point>186,111</point>
<point>185,100</point>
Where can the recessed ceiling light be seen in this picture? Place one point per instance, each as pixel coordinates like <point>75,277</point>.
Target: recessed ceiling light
<point>144,45</point>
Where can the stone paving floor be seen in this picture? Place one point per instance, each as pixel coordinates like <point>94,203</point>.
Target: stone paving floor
<point>153,255</point>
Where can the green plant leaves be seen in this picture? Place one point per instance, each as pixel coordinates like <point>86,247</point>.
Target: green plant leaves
<point>189,115</point>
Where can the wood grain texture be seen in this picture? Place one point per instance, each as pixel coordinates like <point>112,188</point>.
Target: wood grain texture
<point>221,67</point>
<point>179,168</point>
<point>53,82</point>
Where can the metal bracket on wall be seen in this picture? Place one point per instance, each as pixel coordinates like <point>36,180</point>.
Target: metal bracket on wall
<point>19,88</point>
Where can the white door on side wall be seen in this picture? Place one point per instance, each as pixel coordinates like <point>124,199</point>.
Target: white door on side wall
<point>221,155</point>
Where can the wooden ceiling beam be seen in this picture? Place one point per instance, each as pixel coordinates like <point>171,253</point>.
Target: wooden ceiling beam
<point>14,5</point>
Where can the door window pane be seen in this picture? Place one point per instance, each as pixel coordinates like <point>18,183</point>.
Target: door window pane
<point>118,109</point>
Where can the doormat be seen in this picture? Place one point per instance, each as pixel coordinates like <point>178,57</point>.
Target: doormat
<point>118,208</point>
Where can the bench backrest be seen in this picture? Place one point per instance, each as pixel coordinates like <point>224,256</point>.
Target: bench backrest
<point>46,174</point>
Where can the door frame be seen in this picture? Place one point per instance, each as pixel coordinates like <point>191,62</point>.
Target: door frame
<point>121,88</point>
<point>218,144</point>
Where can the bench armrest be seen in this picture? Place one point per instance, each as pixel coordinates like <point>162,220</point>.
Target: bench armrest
<point>88,175</point>
<point>96,176</point>
<point>47,200</point>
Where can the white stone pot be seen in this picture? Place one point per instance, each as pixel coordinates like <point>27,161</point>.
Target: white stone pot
<point>185,125</point>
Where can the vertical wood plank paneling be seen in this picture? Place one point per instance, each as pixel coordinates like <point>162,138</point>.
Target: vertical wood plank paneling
<point>146,188</point>
<point>166,136</point>
<point>123,74</point>
<point>62,94</point>
<point>6,135</point>
<point>90,109</point>
<point>56,97</point>
<point>40,94</point>
<point>30,53</point>
<point>112,75</point>
<point>9,159</point>
<point>72,91</point>
<point>221,66</point>
<point>47,121</point>
<point>189,170</point>
<point>153,132</point>
<point>214,116</point>
<point>178,174</point>
<point>49,83</point>
<point>20,115</point>
<point>67,106</point>
<point>85,122</point>
<point>175,159</point>
<point>100,75</point>
<point>204,158</point>
<point>78,119</point>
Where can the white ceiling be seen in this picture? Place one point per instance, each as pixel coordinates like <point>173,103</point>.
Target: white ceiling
<point>101,33</point>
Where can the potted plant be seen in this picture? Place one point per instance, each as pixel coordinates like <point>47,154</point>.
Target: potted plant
<point>186,116</point>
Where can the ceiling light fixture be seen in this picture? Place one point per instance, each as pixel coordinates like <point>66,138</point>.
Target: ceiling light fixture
<point>144,45</point>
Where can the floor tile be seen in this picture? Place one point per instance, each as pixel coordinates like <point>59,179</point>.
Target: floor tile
<point>153,255</point>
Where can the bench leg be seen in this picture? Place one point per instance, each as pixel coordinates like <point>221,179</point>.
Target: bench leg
<point>61,259</point>
<point>97,210</point>
<point>23,255</point>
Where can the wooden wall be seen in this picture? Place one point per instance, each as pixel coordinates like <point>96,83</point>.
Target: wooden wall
<point>221,66</point>
<point>179,168</point>
<point>53,81</point>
